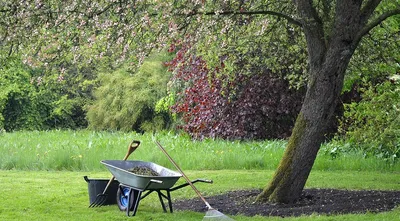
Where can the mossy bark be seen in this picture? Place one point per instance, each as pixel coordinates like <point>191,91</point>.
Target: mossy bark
<point>285,168</point>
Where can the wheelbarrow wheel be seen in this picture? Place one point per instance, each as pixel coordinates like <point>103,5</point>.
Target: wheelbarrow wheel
<point>122,198</point>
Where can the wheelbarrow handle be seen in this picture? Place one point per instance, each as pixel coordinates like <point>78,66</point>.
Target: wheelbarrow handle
<point>194,181</point>
<point>204,181</point>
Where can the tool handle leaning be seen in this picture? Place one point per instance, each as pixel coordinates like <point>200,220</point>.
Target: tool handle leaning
<point>131,148</point>
<point>183,174</point>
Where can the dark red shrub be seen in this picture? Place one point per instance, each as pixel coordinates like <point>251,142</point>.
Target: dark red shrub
<point>264,108</point>
<point>211,104</point>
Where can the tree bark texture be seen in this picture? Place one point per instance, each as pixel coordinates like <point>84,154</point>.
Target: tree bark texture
<point>329,56</point>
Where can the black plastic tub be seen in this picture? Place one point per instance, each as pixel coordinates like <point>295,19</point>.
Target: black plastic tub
<point>97,186</point>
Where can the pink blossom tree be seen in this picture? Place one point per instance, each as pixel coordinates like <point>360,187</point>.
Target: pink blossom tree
<point>330,31</point>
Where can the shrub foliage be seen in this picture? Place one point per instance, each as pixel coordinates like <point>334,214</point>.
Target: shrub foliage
<point>125,100</point>
<point>372,125</point>
<point>214,104</point>
<point>39,98</point>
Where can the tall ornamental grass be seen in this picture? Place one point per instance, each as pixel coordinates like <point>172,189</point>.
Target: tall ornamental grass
<point>83,150</point>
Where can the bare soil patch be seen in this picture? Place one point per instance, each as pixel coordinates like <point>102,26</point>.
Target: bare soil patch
<point>321,201</point>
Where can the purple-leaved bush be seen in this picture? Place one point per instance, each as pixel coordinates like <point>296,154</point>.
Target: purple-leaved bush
<point>212,104</point>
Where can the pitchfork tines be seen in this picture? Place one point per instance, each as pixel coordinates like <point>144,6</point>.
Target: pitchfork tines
<point>99,201</point>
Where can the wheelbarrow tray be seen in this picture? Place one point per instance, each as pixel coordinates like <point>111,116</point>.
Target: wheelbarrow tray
<point>119,169</point>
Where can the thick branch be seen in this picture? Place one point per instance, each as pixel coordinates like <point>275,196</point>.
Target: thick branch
<point>314,31</point>
<point>97,13</point>
<point>307,11</point>
<point>278,14</point>
<point>369,8</point>
<point>368,27</point>
<point>11,50</point>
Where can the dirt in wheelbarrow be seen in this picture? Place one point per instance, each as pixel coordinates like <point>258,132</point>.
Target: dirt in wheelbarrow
<point>312,201</point>
<point>145,171</point>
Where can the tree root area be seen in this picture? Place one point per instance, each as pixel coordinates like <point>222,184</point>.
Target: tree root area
<point>312,201</point>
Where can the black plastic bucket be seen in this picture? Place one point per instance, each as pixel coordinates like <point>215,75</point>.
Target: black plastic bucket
<point>97,186</point>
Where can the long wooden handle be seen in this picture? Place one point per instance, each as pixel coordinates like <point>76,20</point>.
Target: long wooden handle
<point>131,148</point>
<point>183,174</point>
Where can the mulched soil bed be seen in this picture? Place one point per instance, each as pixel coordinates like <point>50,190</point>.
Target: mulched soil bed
<point>321,201</point>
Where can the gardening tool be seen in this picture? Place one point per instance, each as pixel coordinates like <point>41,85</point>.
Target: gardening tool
<point>211,214</point>
<point>101,198</point>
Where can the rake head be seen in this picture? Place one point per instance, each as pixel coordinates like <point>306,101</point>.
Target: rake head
<point>213,214</point>
<point>99,201</point>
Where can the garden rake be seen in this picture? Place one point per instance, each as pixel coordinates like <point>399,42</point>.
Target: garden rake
<point>102,197</point>
<point>211,214</point>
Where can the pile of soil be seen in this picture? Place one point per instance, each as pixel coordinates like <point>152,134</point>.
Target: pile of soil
<point>321,201</point>
<point>144,171</point>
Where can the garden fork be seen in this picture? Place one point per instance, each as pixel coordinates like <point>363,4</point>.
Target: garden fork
<point>102,197</point>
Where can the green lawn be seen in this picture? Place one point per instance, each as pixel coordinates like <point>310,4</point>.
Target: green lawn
<point>41,173</point>
<point>63,195</point>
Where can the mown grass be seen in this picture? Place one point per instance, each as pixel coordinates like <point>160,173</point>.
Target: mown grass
<point>41,173</point>
<point>62,195</point>
<point>82,151</point>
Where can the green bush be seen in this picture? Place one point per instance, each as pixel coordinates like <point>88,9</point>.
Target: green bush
<point>42,98</point>
<point>21,104</point>
<point>126,100</point>
<point>373,125</point>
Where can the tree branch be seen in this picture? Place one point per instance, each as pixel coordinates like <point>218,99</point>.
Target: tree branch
<point>314,31</point>
<point>278,14</point>
<point>308,11</point>
<point>11,49</point>
<point>369,8</point>
<point>368,27</point>
<point>97,13</point>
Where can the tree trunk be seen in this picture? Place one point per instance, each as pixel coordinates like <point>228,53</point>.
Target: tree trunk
<point>328,58</point>
<point>307,136</point>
